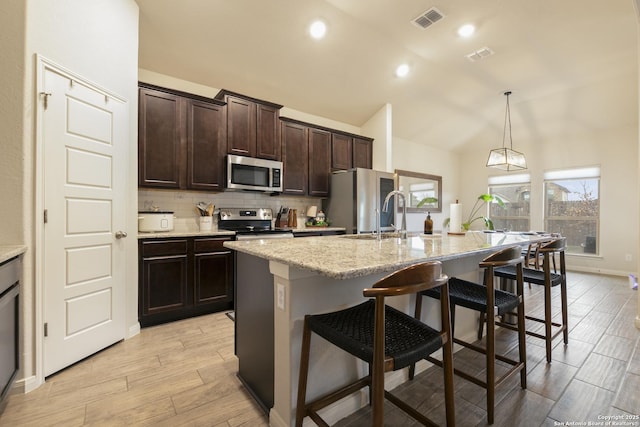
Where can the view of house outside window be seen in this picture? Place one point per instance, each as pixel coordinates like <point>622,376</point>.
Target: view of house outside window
<point>514,191</point>
<point>572,207</point>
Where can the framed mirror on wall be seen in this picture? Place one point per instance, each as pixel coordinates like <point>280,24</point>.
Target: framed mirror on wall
<point>419,186</point>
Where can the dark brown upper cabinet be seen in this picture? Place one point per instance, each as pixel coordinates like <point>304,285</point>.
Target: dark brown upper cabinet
<point>350,151</point>
<point>341,151</point>
<point>319,162</point>
<point>160,139</point>
<point>206,143</point>
<point>328,150</point>
<point>181,140</point>
<point>252,126</point>
<point>362,153</point>
<point>295,158</point>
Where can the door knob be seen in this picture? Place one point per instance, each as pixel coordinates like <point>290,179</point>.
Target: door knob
<point>121,234</point>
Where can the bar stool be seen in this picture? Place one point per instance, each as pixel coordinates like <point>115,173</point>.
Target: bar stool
<point>492,302</point>
<point>545,277</point>
<point>531,258</point>
<point>386,339</point>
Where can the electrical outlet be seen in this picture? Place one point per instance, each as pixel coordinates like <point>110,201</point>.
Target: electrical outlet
<point>280,295</point>
<point>627,257</point>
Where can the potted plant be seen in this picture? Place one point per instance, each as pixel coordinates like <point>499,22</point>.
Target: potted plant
<point>480,202</point>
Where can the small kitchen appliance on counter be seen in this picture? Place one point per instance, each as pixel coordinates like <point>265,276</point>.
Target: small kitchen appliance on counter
<point>251,224</point>
<point>155,220</point>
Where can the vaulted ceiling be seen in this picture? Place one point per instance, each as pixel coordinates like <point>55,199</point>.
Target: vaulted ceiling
<point>262,49</point>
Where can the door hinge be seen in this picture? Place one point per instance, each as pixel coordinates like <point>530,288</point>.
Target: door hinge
<point>46,216</point>
<point>46,329</point>
<point>45,96</point>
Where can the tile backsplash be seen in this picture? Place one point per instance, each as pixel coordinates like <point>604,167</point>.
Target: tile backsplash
<point>183,203</point>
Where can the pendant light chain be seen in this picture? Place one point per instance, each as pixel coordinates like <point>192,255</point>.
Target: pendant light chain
<point>507,115</point>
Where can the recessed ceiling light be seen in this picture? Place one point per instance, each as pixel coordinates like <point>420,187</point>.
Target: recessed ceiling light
<point>318,29</point>
<point>466,30</point>
<point>402,70</point>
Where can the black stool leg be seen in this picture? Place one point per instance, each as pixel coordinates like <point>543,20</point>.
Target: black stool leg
<point>565,316</point>
<point>522,335</point>
<point>304,372</point>
<point>547,319</point>
<point>491,345</point>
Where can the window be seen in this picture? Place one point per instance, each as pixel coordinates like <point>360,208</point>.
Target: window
<point>572,207</point>
<point>514,191</point>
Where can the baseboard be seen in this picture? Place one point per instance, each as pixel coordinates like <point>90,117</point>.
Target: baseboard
<point>602,271</point>
<point>133,330</point>
<point>26,385</point>
<point>275,420</point>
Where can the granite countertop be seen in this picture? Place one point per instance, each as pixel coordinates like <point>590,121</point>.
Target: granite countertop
<point>349,256</point>
<point>9,251</point>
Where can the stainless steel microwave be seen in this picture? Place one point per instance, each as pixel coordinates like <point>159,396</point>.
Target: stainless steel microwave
<point>249,173</point>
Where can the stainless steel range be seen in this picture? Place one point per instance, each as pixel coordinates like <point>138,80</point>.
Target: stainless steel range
<point>251,224</point>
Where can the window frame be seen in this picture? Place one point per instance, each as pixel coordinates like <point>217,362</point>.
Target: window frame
<point>575,174</point>
<point>511,180</point>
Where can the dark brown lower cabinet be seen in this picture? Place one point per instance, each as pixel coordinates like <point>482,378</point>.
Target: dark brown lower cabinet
<point>183,277</point>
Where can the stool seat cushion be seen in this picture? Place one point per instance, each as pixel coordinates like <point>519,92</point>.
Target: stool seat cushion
<point>407,340</point>
<point>530,275</point>
<point>474,296</point>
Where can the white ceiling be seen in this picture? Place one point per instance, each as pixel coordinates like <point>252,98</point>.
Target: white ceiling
<point>543,48</point>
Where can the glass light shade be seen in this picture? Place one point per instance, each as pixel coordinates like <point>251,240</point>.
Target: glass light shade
<point>506,159</point>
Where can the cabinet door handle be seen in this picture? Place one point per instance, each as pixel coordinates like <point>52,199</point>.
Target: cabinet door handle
<point>121,234</point>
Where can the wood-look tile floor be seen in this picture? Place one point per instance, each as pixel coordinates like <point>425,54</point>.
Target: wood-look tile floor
<point>184,373</point>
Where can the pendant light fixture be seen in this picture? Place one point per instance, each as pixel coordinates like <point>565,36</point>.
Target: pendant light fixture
<point>506,158</point>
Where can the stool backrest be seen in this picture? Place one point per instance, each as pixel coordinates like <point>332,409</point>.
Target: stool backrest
<point>508,256</point>
<point>549,250</point>
<point>409,280</point>
<point>555,245</point>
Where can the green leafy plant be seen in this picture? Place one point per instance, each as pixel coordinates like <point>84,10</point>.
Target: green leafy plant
<point>427,200</point>
<point>480,202</point>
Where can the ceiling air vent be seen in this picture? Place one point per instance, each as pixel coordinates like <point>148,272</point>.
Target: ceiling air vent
<point>428,18</point>
<point>479,54</point>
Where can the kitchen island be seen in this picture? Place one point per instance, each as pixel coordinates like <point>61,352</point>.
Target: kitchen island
<point>280,281</point>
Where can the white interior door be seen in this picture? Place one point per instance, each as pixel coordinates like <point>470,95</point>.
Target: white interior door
<point>84,154</point>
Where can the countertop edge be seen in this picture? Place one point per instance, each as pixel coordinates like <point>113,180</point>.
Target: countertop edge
<point>198,233</point>
<point>186,233</point>
<point>11,251</point>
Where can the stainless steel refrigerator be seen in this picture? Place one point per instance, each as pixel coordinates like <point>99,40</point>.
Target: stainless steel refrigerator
<point>355,196</point>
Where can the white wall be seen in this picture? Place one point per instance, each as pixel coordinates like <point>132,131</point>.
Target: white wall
<point>380,127</point>
<point>98,40</point>
<point>414,157</point>
<point>610,141</point>
<point>12,161</point>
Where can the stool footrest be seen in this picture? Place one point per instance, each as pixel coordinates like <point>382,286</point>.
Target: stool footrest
<point>328,399</point>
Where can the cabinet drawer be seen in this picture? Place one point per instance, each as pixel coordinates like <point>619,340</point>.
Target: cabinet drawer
<point>213,244</point>
<point>9,274</point>
<point>164,247</point>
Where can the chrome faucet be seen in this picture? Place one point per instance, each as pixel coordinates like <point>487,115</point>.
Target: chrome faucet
<point>385,207</point>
